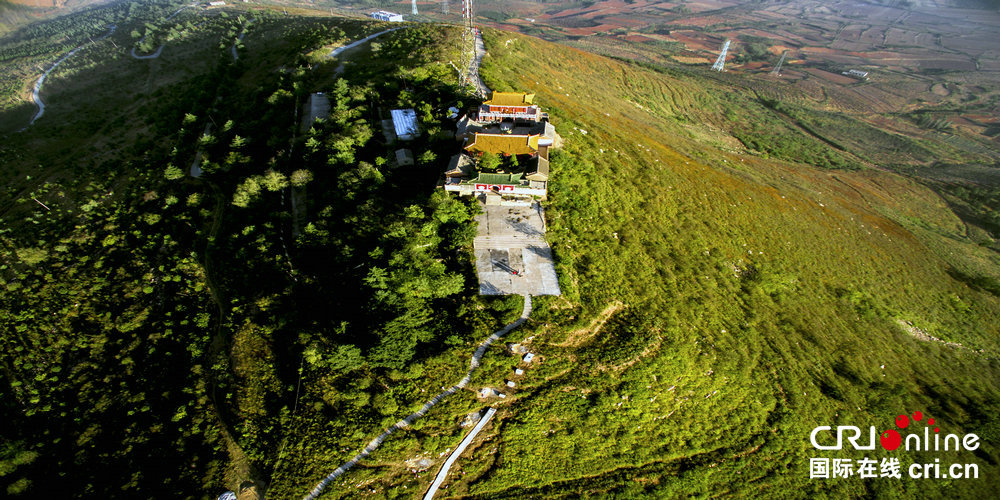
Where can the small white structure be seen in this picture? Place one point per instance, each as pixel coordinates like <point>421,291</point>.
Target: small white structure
<point>510,383</point>
<point>405,123</point>
<point>528,357</point>
<point>404,157</point>
<point>857,73</point>
<point>218,3</point>
<point>519,371</point>
<point>387,16</point>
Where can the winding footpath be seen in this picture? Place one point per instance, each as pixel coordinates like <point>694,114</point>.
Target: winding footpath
<point>36,92</point>
<point>240,38</point>
<point>156,54</point>
<point>406,422</point>
<point>178,11</point>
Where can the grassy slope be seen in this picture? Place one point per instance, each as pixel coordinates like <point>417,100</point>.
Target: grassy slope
<point>794,338</point>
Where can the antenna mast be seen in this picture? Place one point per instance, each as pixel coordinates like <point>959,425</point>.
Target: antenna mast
<point>468,40</point>
<point>721,61</point>
<point>467,15</point>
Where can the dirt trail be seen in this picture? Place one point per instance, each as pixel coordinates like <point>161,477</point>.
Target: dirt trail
<point>159,49</point>
<point>154,55</point>
<point>577,337</point>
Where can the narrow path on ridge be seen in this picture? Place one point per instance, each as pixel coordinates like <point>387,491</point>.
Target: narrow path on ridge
<point>477,59</point>
<point>406,422</point>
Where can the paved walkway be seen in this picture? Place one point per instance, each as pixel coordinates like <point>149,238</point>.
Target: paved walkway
<point>480,51</point>
<point>406,422</point>
<point>443,473</point>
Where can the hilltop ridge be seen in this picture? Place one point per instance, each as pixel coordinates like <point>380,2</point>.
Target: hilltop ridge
<point>736,269</point>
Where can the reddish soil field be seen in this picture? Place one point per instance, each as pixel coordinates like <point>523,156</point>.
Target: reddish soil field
<point>898,45</point>
<point>755,66</point>
<point>766,34</point>
<point>704,5</point>
<point>695,41</point>
<point>818,50</point>
<point>702,21</point>
<point>639,38</point>
<point>625,23</point>
<point>591,30</point>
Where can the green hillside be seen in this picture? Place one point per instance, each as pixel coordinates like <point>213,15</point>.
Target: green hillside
<point>736,270</point>
<point>779,285</point>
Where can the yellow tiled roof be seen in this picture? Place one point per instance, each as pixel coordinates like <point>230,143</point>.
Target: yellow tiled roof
<point>505,144</point>
<point>510,99</point>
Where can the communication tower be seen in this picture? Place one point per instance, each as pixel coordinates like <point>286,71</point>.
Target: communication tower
<point>467,16</point>
<point>468,49</point>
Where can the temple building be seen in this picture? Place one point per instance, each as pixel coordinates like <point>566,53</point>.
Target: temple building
<point>512,106</point>
<point>510,126</point>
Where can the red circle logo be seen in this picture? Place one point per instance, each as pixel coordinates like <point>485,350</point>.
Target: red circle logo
<point>902,421</point>
<point>890,440</point>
